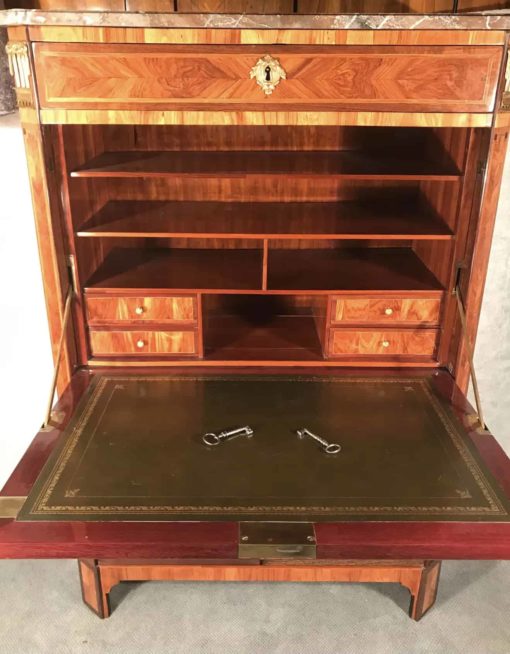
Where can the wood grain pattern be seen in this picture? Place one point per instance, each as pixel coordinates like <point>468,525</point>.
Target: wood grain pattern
<point>142,342</point>
<point>262,118</point>
<point>479,249</point>
<point>419,342</point>
<point>432,79</point>
<point>419,577</point>
<point>143,309</point>
<point>218,36</point>
<point>376,310</point>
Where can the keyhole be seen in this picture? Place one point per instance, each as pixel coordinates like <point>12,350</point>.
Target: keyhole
<point>268,73</point>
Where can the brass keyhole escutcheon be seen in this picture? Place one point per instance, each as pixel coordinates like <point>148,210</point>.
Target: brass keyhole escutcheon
<point>268,73</point>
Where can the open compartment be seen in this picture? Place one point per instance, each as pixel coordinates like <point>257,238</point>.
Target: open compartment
<point>264,327</point>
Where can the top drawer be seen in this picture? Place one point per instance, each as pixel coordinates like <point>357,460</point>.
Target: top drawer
<point>374,78</point>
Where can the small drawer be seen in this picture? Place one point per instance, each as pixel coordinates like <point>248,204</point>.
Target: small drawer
<point>413,311</point>
<point>420,342</point>
<point>143,342</point>
<point>143,309</point>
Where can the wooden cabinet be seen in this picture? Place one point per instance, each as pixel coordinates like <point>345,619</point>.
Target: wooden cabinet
<point>273,228</point>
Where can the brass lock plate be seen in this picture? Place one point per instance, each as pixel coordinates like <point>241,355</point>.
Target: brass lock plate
<point>277,540</point>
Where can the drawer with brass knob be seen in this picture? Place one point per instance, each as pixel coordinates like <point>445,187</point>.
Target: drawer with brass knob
<point>412,311</point>
<point>181,309</point>
<point>409,342</point>
<point>127,342</point>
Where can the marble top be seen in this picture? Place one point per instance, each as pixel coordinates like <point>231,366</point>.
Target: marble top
<point>481,21</point>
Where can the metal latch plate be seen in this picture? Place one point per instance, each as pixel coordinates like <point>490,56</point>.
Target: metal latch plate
<point>277,540</point>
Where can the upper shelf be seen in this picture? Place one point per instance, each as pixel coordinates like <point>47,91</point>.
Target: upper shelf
<point>394,164</point>
<point>399,217</point>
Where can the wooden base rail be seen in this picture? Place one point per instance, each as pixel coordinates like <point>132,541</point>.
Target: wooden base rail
<point>98,577</point>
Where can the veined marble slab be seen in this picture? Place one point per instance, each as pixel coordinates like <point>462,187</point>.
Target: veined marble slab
<point>482,21</point>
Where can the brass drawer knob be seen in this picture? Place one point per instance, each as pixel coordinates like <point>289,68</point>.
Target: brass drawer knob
<point>140,343</point>
<point>388,311</point>
<point>385,343</point>
<point>140,310</point>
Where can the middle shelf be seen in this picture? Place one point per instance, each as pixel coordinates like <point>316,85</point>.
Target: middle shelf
<point>398,217</point>
<point>233,270</point>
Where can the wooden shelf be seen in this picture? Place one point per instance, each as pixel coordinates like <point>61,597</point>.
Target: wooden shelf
<point>281,338</point>
<point>231,270</point>
<point>382,218</point>
<point>398,164</point>
<point>349,269</point>
<point>179,269</point>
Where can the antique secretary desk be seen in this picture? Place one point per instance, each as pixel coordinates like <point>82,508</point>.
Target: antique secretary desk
<point>263,239</point>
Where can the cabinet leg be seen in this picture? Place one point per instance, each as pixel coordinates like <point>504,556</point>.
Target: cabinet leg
<point>94,594</point>
<point>426,590</point>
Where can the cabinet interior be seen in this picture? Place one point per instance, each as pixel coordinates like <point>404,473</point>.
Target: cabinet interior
<point>265,226</point>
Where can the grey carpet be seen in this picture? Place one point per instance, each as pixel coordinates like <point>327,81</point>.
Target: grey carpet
<point>41,612</point>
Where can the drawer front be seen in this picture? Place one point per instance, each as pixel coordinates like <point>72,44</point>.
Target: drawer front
<point>376,310</point>
<point>418,78</point>
<point>142,342</point>
<point>155,309</point>
<point>420,342</point>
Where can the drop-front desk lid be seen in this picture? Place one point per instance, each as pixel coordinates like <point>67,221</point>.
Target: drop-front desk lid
<point>133,453</point>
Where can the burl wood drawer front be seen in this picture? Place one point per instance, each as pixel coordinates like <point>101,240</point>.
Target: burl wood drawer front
<point>428,78</point>
<point>153,309</point>
<point>142,342</point>
<point>391,310</point>
<point>418,342</point>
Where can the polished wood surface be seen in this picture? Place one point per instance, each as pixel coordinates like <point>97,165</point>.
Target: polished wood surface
<point>98,577</point>
<point>232,36</point>
<point>381,218</point>
<point>142,342</point>
<point>346,164</point>
<point>266,118</point>
<point>461,79</point>
<point>419,342</point>
<point>141,309</point>
<point>376,310</point>
<point>180,188</point>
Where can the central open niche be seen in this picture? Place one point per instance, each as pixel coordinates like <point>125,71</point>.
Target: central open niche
<point>264,327</point>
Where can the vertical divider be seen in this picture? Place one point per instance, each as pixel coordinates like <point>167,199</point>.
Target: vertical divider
<point>200,327</point>
<point>264,264</point>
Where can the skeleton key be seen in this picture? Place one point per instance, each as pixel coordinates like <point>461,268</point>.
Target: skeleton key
<point>329,448</point>
<point>215,439</point>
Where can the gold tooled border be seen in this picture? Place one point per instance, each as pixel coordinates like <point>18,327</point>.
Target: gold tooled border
<point>41,504</point>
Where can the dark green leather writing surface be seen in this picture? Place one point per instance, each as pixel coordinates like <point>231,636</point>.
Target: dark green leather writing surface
<point>134,451</point>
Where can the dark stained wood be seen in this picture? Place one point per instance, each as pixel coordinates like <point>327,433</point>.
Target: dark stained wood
<point>347,164</point>
<point>426,596</point>
<point>405,217</point>
<point>346,269</point>
<point>212,270</point>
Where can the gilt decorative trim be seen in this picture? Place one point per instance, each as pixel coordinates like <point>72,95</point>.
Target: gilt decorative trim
<point>19,66</point>
<point>268,73</point>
